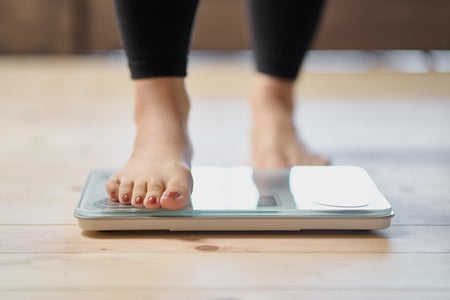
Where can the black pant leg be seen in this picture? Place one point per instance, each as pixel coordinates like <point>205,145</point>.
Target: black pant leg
<point>156,35</point>
<point>282,31</point>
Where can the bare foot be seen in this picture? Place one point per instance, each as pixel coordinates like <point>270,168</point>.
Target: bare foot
<point>275,142</point>
<point>158,171</point>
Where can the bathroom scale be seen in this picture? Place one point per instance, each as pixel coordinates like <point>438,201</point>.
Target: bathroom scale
<point>243,199</point>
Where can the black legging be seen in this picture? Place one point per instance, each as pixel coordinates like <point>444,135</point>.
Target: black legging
<point>156,34</point>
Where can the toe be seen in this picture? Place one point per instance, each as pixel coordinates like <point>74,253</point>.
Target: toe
<point>153,196</point>
<point>139,192</point>
<point>112,188</point>
<point>175,198</point>
<point>177,194</point>
<point>125,190</point>
<point>322,161</point>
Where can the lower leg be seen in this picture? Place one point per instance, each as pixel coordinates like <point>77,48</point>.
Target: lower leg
<point>282,31</point>
<point>156,36</point>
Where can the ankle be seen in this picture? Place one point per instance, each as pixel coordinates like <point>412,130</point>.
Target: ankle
<point>161,96</point>
<point>271,95</point>
<point>273,86</point>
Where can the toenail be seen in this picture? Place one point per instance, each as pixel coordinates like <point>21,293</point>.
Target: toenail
<point>113,195</point>
<point>138,200</point>
<point>152,200</point>
<point>125,198</point>
<point>173,194</point>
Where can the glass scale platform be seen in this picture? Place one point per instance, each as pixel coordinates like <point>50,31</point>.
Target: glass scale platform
<point>243,199</point>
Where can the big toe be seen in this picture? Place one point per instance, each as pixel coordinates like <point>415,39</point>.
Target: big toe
<point>321,161</point>
<point>177,194</point>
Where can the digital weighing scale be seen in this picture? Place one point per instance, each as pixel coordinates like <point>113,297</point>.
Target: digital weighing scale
<point>240,198</point>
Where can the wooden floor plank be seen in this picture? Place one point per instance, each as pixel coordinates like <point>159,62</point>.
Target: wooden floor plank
<point>416,183</point>
<point>69,239</point>
<point>226,271</point>
<point>106,76</point>
<point>400,175</point>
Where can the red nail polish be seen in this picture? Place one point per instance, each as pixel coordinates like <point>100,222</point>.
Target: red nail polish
<point>138,200</point>
<point>152,200</point>
<point>125,198</point>
<point>113,195</point>
<point>173,194</point>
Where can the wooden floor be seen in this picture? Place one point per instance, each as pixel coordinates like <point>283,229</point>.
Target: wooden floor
<point>61,117</point>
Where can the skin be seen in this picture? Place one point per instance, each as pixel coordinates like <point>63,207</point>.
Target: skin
<point>157,175</point>
<point>275,142</point>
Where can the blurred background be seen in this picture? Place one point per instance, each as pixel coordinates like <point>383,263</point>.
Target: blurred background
<point>83,26</point>
<point>383,65</point>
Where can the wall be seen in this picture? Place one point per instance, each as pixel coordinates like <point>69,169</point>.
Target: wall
<point>79,26</point>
